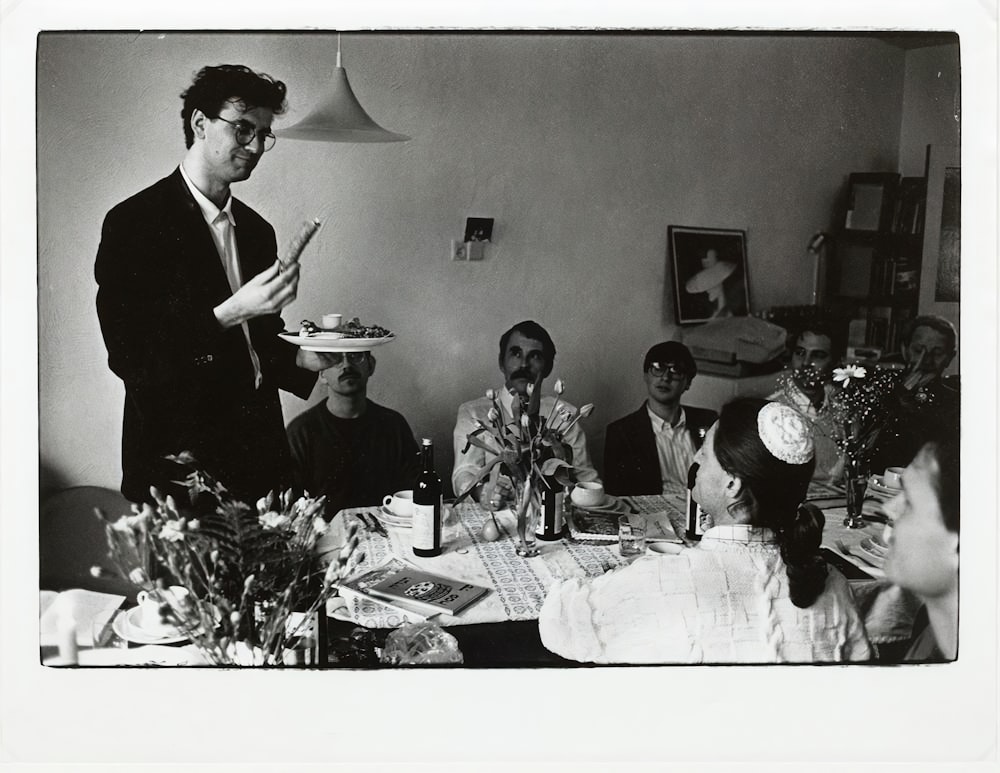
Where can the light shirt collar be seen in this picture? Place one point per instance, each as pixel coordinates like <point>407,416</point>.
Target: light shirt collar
<point>659,423</point>
<point>738,532</point>
<point>208,210</point>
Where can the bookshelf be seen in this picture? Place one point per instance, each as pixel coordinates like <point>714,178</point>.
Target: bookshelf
<point>874,278</point>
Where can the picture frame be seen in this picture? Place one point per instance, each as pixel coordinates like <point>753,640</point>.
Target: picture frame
<point>870,201</point>
<point>709,268</point>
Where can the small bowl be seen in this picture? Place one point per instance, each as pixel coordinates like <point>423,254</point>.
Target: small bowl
<point>588,494</point>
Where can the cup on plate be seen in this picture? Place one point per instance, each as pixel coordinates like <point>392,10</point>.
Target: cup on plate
<point>400,503</point>
<point>330,321</point>
<point>893,477</point>
<point>149,617</point>
<point>587,494</point>
<point>631,535</point>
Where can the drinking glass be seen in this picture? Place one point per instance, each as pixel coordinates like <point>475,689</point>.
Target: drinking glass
<point>631,535</point>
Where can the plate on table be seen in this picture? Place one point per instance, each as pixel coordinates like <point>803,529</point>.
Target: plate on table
<point>127,626</point>
<point>610,504</point>
<point>875,546</point>
<point>389,518</point>
<point>877,484</point>
<point>868,550</point>
<point>323,342</point>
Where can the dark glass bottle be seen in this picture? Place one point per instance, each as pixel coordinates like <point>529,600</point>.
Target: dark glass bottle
<point>694,512</point>
<point>551,525</point>
<point>427,505</point>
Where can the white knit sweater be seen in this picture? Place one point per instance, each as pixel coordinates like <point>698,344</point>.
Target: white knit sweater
<point>726,601</point>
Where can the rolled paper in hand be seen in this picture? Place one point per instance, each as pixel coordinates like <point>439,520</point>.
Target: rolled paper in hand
<point>298,243</point>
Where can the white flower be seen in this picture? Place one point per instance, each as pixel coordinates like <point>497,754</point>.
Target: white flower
<point>524,420</point>
<point>531,389</point>
<point>846,374</point>
<point>137,576</point>
<point>320,526</point>
<point>172,531</point>
<point>491,394</point>
<point>559,386</point>
<point>492,414</point>
<point>262,505</point>
<point>273,520</point>
<point>194,524</point>
<point>124,524</point>
<point>586,410</point>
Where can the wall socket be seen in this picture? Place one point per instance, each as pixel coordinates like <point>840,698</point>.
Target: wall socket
<point>458,250</point>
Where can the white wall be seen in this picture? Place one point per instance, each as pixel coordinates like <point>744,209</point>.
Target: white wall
<point>584,148</point>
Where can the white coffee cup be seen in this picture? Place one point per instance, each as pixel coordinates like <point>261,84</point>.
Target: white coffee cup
<point>331,321</point>
<point>150,603</point>
<point>893,477</point>
<point>588,494</point>
<point>400,503</point>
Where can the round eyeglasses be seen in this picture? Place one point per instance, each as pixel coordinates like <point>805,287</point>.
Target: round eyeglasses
<point>659,369</point>
<point>247,133</point>
<point>354,358</point>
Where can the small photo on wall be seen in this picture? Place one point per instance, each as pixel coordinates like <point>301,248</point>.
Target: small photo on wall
<point>710,273</point>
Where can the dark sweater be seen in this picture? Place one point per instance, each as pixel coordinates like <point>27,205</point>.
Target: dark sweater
<point>353,462</point>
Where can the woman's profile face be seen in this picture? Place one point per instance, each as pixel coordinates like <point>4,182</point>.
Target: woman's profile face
<point>923,554</point>
<point>710,483</point>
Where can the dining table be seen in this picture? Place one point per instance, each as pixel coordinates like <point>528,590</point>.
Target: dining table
<point>501,629</point>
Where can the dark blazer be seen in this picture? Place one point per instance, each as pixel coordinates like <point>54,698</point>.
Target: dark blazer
<point>631,462</point>
<point>189,383</point>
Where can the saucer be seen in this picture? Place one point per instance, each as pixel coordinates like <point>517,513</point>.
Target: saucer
<point>388,516</point>
<point>610,504</point>
<point>877,484</point>
<point>875,546</point>
<point>127,627</point>
<point>869,551</point>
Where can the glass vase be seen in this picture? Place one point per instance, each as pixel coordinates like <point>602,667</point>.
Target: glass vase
<point>527,521</point>
<point>855,485</point>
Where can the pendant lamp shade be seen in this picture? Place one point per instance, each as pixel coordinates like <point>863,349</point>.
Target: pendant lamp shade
<point>339,117</point>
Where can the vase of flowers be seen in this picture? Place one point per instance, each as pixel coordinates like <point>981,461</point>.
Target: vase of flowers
<point>858,408</point>
<point>253,581</point>
<point>529,449</point>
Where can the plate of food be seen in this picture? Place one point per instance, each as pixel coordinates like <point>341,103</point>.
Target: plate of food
<point>127,626</point>
<point>610,504</point>
<point>347,337</point>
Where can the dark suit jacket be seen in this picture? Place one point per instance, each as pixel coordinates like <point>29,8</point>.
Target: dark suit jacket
<point>189,383</point>
<point>631,462</point>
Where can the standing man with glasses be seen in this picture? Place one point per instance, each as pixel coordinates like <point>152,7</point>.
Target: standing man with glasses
<point>348,448</point>
<point>190,291</point>
<point>651,450</point>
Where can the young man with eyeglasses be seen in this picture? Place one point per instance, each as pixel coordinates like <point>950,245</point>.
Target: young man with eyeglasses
<point>349,448</point>
<point>189,297</point>
<point>651,450</point>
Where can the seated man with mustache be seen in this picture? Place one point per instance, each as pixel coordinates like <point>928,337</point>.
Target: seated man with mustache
<point>526,357</point>
<point>348,448</point>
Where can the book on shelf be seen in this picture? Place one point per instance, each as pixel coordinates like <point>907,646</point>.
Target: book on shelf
<point>877,333</point>
<point>908,212</point>
<point>398,584</point>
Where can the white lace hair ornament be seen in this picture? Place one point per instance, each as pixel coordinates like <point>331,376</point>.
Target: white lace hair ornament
<point>785,433</point>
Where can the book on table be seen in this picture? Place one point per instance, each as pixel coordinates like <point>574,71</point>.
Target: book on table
<point>586,525</point>
<point>400,585</point>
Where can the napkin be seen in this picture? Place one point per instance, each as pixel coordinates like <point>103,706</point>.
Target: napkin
<point>80,606</point>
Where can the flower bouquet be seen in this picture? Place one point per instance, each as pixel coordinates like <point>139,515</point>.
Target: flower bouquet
<point>252,579</point>
<point>529,449</point>
<point>859,411</point>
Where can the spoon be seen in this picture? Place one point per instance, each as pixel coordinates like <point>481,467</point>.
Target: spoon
<point>842,547</point>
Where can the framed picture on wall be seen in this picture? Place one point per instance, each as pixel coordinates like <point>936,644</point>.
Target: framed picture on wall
<point>710,273</point>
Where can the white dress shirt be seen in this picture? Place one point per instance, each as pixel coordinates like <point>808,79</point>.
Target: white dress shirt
<point>469,464</point>
<point>222,224</point>
<point>675,449</point>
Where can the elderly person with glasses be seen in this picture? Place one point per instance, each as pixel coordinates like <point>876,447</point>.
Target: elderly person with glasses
<point>755,590</point>
<point>651,449</point>
<point>190,290</point>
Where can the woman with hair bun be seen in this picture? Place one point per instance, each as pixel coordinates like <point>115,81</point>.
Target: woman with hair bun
<point>755,590</point>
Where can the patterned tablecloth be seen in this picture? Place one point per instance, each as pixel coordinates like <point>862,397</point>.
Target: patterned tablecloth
<point>519,585</point>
